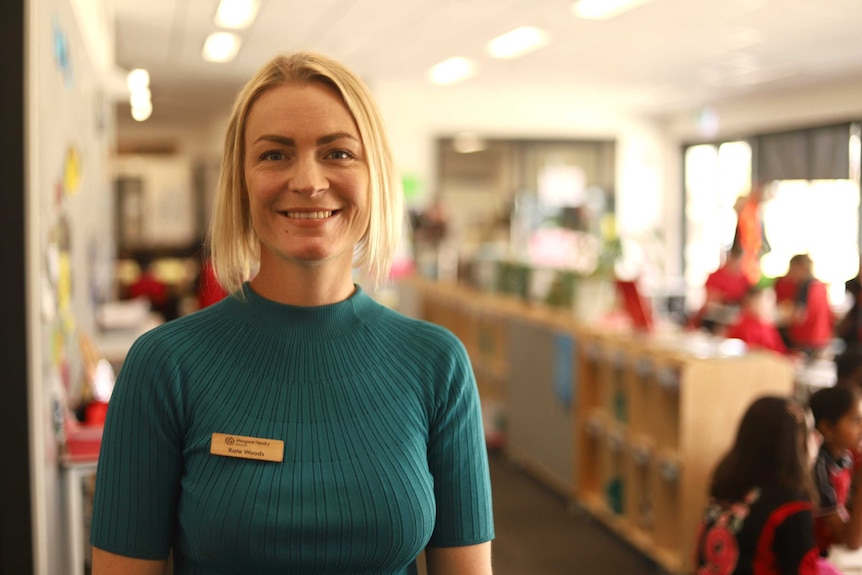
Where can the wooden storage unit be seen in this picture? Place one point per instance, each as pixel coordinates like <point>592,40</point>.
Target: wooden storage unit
<point>648,419</point>
<point>681,413</point>
<point>541,397</point>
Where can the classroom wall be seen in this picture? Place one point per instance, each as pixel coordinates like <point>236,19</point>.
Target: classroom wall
<point>69,232</point>
<point>830,101</point>
<point>416,115</point>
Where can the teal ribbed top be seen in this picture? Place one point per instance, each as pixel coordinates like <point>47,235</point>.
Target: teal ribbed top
<point>383,445</point>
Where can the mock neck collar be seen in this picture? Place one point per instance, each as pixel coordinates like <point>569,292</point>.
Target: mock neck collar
<point>311,322</point>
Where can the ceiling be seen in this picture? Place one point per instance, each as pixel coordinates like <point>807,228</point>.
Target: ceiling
<point>660,57</point>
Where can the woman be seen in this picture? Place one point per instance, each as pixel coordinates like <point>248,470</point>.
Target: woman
<point>759,520</point>
<point>298,426</point>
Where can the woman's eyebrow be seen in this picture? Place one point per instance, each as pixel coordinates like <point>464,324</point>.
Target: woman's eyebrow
<point>328,139</point>
<point>323,140</point>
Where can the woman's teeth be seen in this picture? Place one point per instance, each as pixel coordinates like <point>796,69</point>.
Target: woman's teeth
<point>309,215</point>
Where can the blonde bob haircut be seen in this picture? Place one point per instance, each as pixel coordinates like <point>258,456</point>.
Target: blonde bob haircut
<point>233,243</point>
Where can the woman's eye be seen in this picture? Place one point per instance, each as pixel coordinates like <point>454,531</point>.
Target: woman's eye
<point>340,155</point>
<point>272,156</point>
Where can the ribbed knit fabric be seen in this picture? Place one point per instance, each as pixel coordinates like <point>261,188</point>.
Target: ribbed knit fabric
<point>383,446</point>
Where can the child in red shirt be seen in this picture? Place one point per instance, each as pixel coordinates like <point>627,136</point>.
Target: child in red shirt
<point>752,327</point>
<point>838,518</point>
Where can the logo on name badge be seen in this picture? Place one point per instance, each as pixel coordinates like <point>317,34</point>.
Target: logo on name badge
<point>242,447</point>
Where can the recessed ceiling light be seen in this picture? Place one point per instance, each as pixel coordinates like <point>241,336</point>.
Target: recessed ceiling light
<point>236,14</point>
<point>518,42</point>
<point>143,111</point>
<point>451,71</point>
<point>137,80</point>
<point>221,47</point>
<point>603,9</point>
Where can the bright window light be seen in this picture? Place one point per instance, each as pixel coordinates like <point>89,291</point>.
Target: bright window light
<point>236,14</point>
<point>221,47</point>
<point>137,80</point>
<point>451,71</point>
<point>603,9</point>
<point>518,42</point>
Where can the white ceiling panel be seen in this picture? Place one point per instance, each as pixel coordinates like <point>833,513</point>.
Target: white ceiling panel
<point>665,54</point>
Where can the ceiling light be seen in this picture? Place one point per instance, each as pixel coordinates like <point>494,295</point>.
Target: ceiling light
<point>140,97</point>
<point>451,71</point>
<point>236,14</point>
<point>518,42</point>
<point>137,80</point>
<point>221,47</point>
<point>603,9</point>
<point>142,112</point>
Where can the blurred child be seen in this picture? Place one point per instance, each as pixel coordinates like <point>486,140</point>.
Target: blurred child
<point>759,518</point>
<point>838,519</point>
<point>807,318</point>
<point>725,288</point>
<point>752,325</point>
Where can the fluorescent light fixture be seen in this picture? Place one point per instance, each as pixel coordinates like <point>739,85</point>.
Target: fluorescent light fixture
<point>141,113</point>
<point>137,80</point>
<point>221,47</point>
<point>518,42</point>
<point>603,9</point>
<point>451,71</point>
<point>236,14</point>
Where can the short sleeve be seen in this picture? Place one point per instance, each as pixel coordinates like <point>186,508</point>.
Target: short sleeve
<point>140,461</point>
<point>458,460</point>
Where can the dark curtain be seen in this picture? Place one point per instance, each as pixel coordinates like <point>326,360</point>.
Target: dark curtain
<point>812,154</point>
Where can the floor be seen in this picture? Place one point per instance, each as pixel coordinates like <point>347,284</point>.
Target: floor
<point>538,535</point>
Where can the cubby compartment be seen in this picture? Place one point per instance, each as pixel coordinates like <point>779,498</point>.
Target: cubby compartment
<point>638,383</point>
<point>612,470</point>
<point>669,530</point>
<point>589,367</point>
<point>611,382</point>
<point>640,494</point>
<point>491,343</point>
<point>590,449</point>
<point>666,403</point>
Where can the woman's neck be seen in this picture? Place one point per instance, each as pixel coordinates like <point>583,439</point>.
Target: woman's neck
<point>314,286</point>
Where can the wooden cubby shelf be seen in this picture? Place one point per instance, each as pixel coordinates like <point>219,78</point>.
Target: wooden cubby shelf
<point>627,426</point>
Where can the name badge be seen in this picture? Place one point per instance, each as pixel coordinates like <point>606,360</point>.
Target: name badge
<point>257,448</point>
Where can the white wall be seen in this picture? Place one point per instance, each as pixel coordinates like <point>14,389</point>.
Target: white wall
<point>416,115</point>
<point>67,110</point>
<point>828,102</point>
<point>168,196</point>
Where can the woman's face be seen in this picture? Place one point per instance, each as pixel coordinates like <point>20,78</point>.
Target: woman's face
<point>306,176</point>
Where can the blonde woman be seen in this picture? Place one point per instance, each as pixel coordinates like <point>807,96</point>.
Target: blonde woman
<point>297,426</point>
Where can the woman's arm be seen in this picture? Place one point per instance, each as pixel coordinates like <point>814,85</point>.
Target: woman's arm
<point>467,560</point>
<point>105,563</point>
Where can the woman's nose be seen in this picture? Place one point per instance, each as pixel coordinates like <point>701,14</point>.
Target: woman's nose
<point>308,176</point>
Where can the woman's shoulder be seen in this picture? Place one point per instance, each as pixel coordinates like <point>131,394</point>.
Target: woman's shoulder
<point>180,331</point>
<point>421,332</point>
